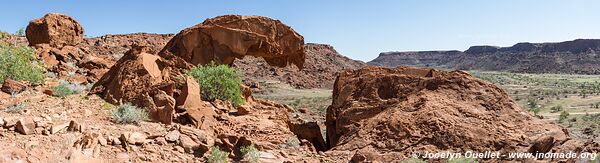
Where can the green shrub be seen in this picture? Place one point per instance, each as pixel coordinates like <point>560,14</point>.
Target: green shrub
<point>250,153</point>
<point>556,109</point>
<point>19,63</point>
<point>563,115</point>
<point>217,156</point>
<point>218,82</point>
<point>128,113</point>
<point>3,34</point>
<point>20,32</point>
<point>65,88</point>
<point>62,89</point>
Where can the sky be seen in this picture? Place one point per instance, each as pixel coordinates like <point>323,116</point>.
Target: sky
<point>358,29</point>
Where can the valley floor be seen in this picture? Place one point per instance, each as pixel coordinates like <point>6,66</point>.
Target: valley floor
<point>577,97</point>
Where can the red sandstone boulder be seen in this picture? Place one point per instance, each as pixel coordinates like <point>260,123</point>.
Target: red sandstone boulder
<point>13,87</point>
<point>225,38</point>
<point>395,113</point>
<point>55,29</point>
<point>134,74</point>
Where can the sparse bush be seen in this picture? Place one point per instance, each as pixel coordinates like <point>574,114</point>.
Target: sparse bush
<point>217,156</point>
<point>292,142</point>
<point>250,153</point>
<point>108,106</point>
<point>556,109</point>
<point>573,119</point>
<point>128,113</point>
<point>19,63</point>
<point>413,160</point>
<point>51,74</point>
<point>563,115</point>
<point>533,106</point>
<point>65,88</point>
<point>462,160</point>
<point>3,34</point>
<point>218,82</point>
<point>20,32</point>
<point>62,89</point>
<point>535,110</point>
<point>15,108</point>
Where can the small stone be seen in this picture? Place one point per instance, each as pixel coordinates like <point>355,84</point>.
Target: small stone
<point>268,157</point>
<point>42,124</point>
<point>303,110</point>
<point>2,122</point>
<point>88,152</point>
<point>172,136</point>
<point>161,141</point>
<point>13,87</point>
<point>102,141</point>
<point>25,126</point>
<point>179,149</point>
<point>90,139</point>
<point>37,119</point>
<point>10,122</point>
<point>188,143</point>
<point>123,157</point>
<point>46,132</point>
<point>58,127</point>
<point>48,92</point>
<point>39,130</point>
<point>74,126</point>
<point>113,140</point>
<point>134,138</point>
<point>97,151</point>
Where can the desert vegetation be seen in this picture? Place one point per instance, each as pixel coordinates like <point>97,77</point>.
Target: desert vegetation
<point>129,114</point>
<point>19,63</point>
<point>218,82</point>
<point>563,98</point>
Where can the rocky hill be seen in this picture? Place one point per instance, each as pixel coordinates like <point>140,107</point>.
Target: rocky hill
<point>321,66</point>
<point>389,114</point>
<point>578,56</point>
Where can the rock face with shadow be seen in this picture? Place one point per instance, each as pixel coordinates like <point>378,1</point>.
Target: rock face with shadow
<point>225,38</point>
<point>385,114</point>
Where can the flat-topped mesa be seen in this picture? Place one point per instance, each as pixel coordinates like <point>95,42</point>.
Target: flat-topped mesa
<point>575,46</point>
<point>576,56</point>
<point>55,29</point>
<point>225,38</point>
<point>482,49</point>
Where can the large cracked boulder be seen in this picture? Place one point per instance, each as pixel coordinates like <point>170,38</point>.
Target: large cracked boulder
<point>395,113</point>
<point>55,29</point>
<point>223,39</point>
<point>59,44</point>
<point>133,75</point>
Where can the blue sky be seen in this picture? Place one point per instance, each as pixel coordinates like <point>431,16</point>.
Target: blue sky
<point>356,28</point>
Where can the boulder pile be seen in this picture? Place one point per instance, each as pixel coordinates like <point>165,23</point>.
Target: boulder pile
<point>58,39</point>
<point>385,114</point>
<point>150,80</point>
